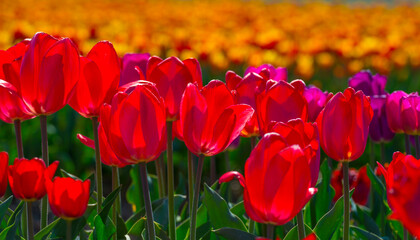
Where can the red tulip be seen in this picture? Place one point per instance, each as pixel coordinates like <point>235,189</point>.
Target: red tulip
<point>358,180</point>
<point>99,78</point>
<point>277,182</point>
<point>68,198</point>
<point>410,114</point>
<point>245,91</point>
<point>210,120</point>
<point>4,162</point>
<point>344,125</point>
<point>306,136</point>
<point>281,102</point>
<point>27,178</point>
<point>133,127</point>
<point>171,77</point>
<point>11,105</point>
<point>403,190</point>
<point>49,73</point>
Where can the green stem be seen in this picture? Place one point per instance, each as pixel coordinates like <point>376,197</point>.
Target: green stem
<point>212,169</point>
<point>405,234</point>
<point>159,177</point>
<point>251,226</point>
<point>346,226</point>
<point>98,169</point>
<point>372,164</point>
<point>382,209</point>
<point>227,162</point>
<point>147,202</point>
<point>407,144</point>
<point>270,231</point>
<point>300,225</point>
<point>312,209</point>
<point>116,207</point>
<point>30,221</point>
<point>190,181</point>
<point>193,219</point>
<point>68,232</point>
<point>19,145</point>
<point>170,164</point>
<point>162,170</point>
<point>44,139</point>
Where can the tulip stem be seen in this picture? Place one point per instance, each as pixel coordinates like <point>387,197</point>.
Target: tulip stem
<point>300,225</point>
<point>383,197</point>
<point>251,225</point>
<point>346,227</point>
<point>159,177</point>
<point>30,221</point>
<point>170,164</point>
<point>417,146</point>
<point>197,182</point>
<point>147,202</point>
<point>44,139</point>
<point>98,169</point>
<point>19,145</point>
<point>227,161</point>
<point>190,181</point>
<point>372,164</point>
<point>68,232</point>
<point>407,144</point>
<point>212,169</point>
<point>116,207</point>
<point>270,231</point>
<point>405,234</point>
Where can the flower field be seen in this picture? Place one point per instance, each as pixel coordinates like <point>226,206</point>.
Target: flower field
<point>209,120</point>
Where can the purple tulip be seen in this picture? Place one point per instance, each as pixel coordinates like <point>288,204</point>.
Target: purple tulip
<point>129,71</point>
<point>370,85</point>
<point>379,129</point>
<point>410,114</point>
<point>267,71</point>
<point>316,101</point>
<point>393,110</point>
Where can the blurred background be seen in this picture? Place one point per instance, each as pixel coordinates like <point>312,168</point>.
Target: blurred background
<point>321,42</point>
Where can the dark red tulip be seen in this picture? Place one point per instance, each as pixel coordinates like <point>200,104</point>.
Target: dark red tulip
<point>267,71</point>
<point>12,106</point>
<point>344,125</point>
<point>403,190</point>
<point>4,162</point>
<point>393,110</point>
<point>171,77</point>
<point>410,114</point>
<point>49,73</point>
<point>316,101</point>
<point>358,179</point>
<point>210,119</point>
<point>133,126</point>
<point>27,178</point>
<point>369,84</point>
<point>245,91</point>
<point>134,67</point>
<point>297,132</point>
<point>98,82</point>
<point>281,102</point>
<point>277,182</point>
<point>68,197</point>
<point>379,130</point>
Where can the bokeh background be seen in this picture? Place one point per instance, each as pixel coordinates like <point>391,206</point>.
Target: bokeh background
<point>321,42</point>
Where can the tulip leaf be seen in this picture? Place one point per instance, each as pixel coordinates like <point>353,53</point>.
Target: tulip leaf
<point>323,198</point>
<point>362,216</point>
<point>161,212</point>
<point>107,204</point>
<point>4,208</point>
<point>239,210</point>
<point>218,210</point>
<point>121,228</point>
<point>328,224</point>
<point>183,228</point>
<point>377,184</point>
<point>9,233</point>
<point>134,218</point>
<point>139,228</point>
<point>234,234</point>
<point>102,230</point>
<point>363,234</point>
<point>46,231</point>
<point>293,233</point>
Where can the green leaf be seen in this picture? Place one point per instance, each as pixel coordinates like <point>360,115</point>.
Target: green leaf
<point>293,233</point>
<point>362,216</point>
<point>239,209</point>
<point>377,184</point>
<point>9,233</point>
<point>160,213</point>
<point>46,231</point>
<point>363,234</point>
<point>121,228</point>
<point>107,204</point>
<point>218,210</point>
<point>332,220</point>
<point>325,194</point>
<point>136,217</point>
<point>234,234</point>
<point>4,207</point>
<point>140,226</point>
<point>182,229</point>
<point>102,230</point>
